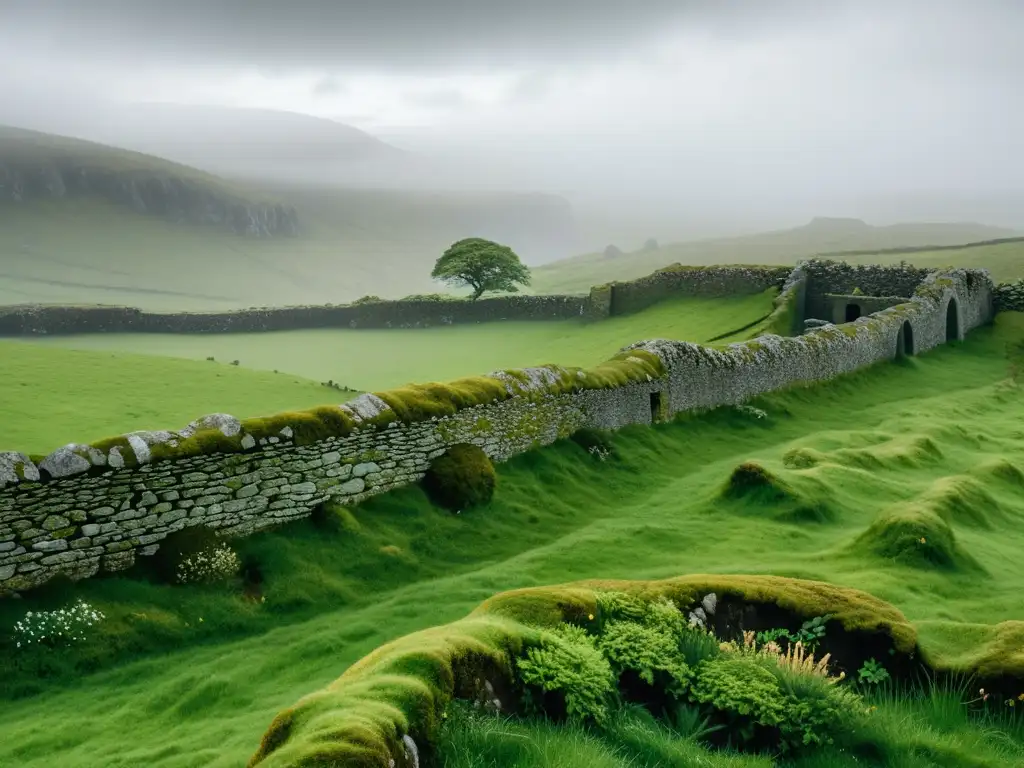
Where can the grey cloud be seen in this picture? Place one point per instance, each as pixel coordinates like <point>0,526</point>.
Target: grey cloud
<point>441,98</point>
<point>328,86</point>
<point>376,34</point>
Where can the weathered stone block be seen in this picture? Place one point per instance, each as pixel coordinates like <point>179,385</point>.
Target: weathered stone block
<point>356,485</point>
<point>247,491</point>
<point>118,561</point>
<point>53,522</point>
<point>50,545</point>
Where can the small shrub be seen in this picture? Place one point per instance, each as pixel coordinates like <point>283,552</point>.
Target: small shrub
<point>650,652</point>
<point>58,628</point>
<point>178,546</point>
<point>567,663</point>
<point>209,565</point>
<point>367,300</point>
<point>745,692</point>
<point>462,477</point>
<point>777,701</point>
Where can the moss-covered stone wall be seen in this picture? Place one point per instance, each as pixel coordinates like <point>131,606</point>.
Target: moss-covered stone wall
<point>1009,297</point>
<point>407,313</point>
<point>835,277</point>
<point>87,508</point>
<point>836,305</point>
<point>678,280</point>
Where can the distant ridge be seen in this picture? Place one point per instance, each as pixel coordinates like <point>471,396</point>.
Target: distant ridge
<point>923,248</point>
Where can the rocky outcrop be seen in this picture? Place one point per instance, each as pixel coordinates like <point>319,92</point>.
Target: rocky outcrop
<point>155,191</point>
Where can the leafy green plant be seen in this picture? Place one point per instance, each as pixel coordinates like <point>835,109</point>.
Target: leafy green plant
<point>811,632</point>
<point>773,636</point>
<point>872,672</point>
<point>462,477</point>
<point>568,663</point>
<point>651,652</point>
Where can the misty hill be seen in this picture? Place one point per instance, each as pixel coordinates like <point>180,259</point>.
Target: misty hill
<point>245,143</point>
<point>38,167</point>
<point>820,235</point>
<point>86,223</point>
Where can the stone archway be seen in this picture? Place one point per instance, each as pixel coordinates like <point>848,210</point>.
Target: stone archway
<point>852,312</point>
<point>905,340</point>
<point>953,320</point>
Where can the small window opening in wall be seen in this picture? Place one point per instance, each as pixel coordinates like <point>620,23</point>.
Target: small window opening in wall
<point>852,312</point>
<point>655,407</point>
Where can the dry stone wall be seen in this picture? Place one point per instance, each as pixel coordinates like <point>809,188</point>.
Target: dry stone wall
<point>679,280</point>
<point>83,509</point>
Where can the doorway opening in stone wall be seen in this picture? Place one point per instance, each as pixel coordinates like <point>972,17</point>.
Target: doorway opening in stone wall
<point>952,320</point>
<point>852,312</point>
<point>905,341</point>
<point>655,407</point>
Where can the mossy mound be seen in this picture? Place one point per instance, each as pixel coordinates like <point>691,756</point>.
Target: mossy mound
<point>905,452</point>
<point>1001,470</point>
<point>802,458</point>
<point>914,537</point>
<point>993,652</point>
<point>753,482</point>
<point>795,500</point>
<point>461,478</point>
<point>962,500</point>
<point>401,689</point>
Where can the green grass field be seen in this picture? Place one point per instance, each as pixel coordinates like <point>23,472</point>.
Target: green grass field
<point>192,676</point>
<point>1006,261</point>
<point>52,397</point>
<point>374,360</point>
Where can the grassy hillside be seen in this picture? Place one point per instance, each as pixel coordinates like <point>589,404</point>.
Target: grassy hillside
<point>371,360</point>
<point>56,396</point>
<point>781,247</point>
<point>921,446</point>
<point>1004,260</point>
<point>85,249</point>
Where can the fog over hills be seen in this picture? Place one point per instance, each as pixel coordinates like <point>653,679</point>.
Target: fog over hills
<point>622,122</point>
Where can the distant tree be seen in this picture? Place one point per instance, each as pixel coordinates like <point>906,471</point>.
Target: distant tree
<point>651,244</point>
<point>612,252</point>
<point>482,265</point>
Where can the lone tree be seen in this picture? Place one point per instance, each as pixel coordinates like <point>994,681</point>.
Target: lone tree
<point>482,265</point>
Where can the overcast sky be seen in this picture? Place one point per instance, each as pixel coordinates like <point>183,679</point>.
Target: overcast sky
<point>733,100</point>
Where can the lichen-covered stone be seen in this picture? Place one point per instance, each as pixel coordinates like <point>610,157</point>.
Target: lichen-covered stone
<point>66,461</point>
<point>225,423</point>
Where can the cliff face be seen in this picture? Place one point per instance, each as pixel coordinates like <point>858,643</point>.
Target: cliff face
<point>156,192</point>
